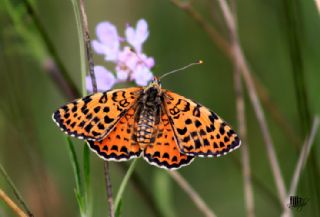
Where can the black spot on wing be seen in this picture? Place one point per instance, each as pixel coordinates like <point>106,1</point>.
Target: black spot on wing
<point>182,131</point>
<point>107,119</point>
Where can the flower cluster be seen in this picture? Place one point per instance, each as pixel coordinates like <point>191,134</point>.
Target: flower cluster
<point>131,64</point>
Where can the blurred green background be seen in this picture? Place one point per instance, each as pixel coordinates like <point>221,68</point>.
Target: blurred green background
<point>281,42</point>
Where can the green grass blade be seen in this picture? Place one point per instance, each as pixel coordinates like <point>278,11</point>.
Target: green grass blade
<point>124,184</point>
<point>118,209</point>
<point>163,193</point>
<point>77,175</point>
<point>87,179</point>
<point>83,70</point>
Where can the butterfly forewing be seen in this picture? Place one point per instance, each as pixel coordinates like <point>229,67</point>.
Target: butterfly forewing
<point>118,145</point>
<point>200,131</point>
<point>164,152</point>
<point>94,116</point>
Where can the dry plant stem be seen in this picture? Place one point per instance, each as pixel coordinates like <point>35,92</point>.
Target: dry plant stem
<point>87,42</point>
<point>247,180</point>
<point>301,162</point>
<point>222,44</point>
<point>239,59</point>
<point>198,201</point>
<point>108,188</point>
<point>239,56</point>
<point>276,114</point>
<point>12,204</point>
<point>86,37</point>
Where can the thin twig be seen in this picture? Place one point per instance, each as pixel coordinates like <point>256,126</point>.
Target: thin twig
<point>302,161</point>
<point>198,201</point>
<point>239,58</point>
<point>15,191</point>
<point>108,188</point>
<point>86,37</point>
<point>276,115</point>
<point>11,204</point>
<point>247,180</point>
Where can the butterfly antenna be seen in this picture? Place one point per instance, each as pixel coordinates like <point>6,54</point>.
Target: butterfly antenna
<point>182,68</point>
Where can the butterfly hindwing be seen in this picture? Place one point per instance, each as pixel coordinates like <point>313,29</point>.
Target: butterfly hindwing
<point>119,144</point>
<point>164,152</point>
<point>94,116</point>
<point>200,131</point>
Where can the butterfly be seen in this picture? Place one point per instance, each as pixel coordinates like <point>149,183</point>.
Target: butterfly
<point>167,129</point>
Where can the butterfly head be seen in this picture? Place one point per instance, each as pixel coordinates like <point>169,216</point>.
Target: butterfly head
<point>155,83</point>
<point>153,90</point>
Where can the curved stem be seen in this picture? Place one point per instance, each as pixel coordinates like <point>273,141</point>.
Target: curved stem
<point>124,183</point>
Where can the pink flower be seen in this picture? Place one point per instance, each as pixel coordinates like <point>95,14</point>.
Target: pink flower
<point>104,78</point>
<point>129,65</point>
<point>108,42</point>
<point>136,37</point>
<point>142,75</point>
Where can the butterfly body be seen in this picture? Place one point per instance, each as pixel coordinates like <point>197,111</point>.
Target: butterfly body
<point>167,129</point>
<point>148,115</point>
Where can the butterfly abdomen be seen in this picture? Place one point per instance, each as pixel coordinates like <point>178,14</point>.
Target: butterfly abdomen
<point>146,127</point>
<point>148,118</point>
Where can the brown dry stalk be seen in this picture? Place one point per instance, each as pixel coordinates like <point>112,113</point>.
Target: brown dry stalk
<point>301,162</point>
<point>247,180</point>
<point>12,204</point>
<point>240,105</point>
<point>86,38</point>
<point>198,201</point>
<point>239,57</point>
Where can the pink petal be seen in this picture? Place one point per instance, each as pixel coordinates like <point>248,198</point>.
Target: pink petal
<point>128,58</point>
<point>122,75</point>
<point>136,37</point>
<point>108,36</point>
<point>98,47</point>
<point>142,76</point>
<point>104,78</point>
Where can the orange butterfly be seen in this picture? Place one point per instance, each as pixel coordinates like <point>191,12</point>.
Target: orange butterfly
<point>167,129</point>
